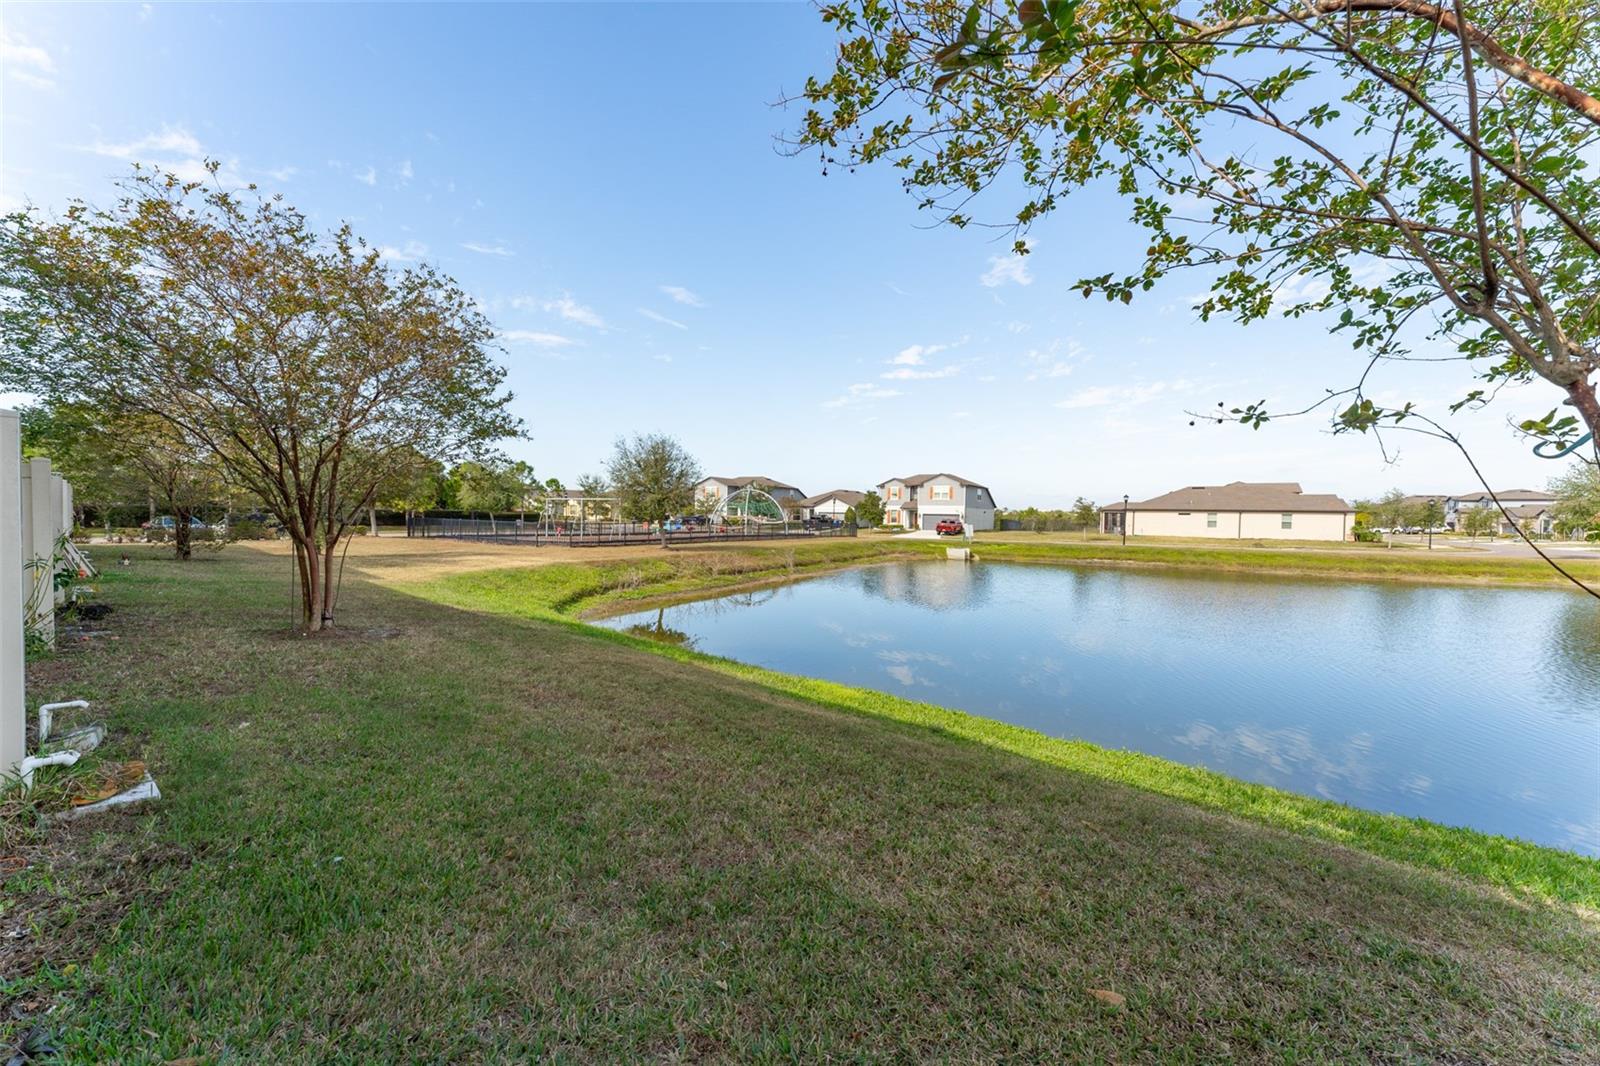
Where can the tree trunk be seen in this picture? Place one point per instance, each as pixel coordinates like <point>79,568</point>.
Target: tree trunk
<point>307,561</point>
<point>181,533</point>
<point>328,590</point>
<point>372,520</point>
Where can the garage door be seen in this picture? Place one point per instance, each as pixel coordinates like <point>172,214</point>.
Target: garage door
<point>930,521</point>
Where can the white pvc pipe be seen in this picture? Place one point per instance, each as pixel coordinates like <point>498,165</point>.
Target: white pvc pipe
<point>47,715</point>
<point>27,766</point>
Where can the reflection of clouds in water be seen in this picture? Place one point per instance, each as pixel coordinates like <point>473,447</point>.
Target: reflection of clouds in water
<point>1585,838</point>
<point>1417,784</point>
<point>901,662</point>
<point>1292,752</point>
<point>853,638</point>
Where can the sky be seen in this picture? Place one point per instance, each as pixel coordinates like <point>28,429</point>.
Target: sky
<point>608,181</point>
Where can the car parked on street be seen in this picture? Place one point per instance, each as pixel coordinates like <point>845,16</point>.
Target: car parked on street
<point>167,522</point>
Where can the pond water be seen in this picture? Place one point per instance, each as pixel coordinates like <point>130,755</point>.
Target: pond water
<point>1468,706</point>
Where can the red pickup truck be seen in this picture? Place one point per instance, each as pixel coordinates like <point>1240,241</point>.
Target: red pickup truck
<point>949,527</point>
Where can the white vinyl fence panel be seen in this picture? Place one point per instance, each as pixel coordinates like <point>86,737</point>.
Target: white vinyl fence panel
<point>13,721</point>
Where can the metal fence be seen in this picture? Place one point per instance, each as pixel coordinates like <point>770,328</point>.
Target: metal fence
<point>600,534</point>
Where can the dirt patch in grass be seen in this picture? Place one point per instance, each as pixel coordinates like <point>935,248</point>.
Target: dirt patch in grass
<point>61,898</point>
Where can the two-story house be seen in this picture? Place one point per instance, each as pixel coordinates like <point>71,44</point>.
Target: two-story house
<point>922,501</point>
<point>712,490</point>
<point>1514,499</point>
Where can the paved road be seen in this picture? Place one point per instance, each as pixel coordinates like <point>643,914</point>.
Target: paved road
<point>1520,549</point>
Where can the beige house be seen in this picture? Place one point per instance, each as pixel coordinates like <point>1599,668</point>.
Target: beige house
<point>1534,519</point>
<point>1239,510</point>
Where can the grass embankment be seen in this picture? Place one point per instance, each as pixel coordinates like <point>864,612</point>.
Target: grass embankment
<point>458,835</point>
<point>1349,562</point>
<point>558,593</point>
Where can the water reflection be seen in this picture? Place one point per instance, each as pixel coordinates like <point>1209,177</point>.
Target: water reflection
<point>1469,706</point>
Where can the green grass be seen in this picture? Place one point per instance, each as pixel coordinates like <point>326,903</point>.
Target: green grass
<point>555,593</point>
<point>1343,562</point>
<point>464,835</point>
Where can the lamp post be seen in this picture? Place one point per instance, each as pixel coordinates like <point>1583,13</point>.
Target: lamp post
<point>1124,519</point>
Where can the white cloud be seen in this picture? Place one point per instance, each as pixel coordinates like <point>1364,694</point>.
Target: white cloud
<point>175,150</point>
<point>536,338</point>
<point>682,295</point>
<point>1054,362</point>
<point>145,11</point>
<point>1007,269</point>
<point>487,249</point>
<point>663,319</point>
<point>409,252</point>
<point>404,171</point>
<point>16,50</point>
<point>282,174</point>
<point>1123,395</point>
<point>864,392</point>
<point>1017,327</point>
<point>172,140</point>
<point>911,373</point>
<point>916,354</point>
<point>367,177</point>
<point>573,311</point>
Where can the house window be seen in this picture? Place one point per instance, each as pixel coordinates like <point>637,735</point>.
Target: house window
<point>1288,521</point>
<point>941,492</point>
<point>894,492</point>
<point>1211,520</point>
<point>894,518</point>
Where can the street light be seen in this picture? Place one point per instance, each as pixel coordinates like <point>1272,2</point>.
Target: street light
<point>1124,519</point>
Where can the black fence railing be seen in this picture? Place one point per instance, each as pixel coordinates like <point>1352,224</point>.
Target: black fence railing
<point>576,534</point>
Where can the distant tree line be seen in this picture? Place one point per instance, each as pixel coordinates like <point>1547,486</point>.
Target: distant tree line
<point>1081,517</point>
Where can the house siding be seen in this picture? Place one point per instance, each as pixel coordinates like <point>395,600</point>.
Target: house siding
<point>921,506</point>
<point>1237,525</point>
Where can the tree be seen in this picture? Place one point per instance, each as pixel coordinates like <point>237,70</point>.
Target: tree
<point>180,473</point>
<point>1577,492</point>
<point>414,488</point>
<point>1418,170</point>
<point>313,371</point>
<point>1483,520</point>
<point>114,459</point>
<point>870,510</point>
<point>1085,515</point>
<point>654,476</point>
<point>594,486</point>
<point>491,487</point>
<point>75,439</point>
<point>524,485</point>
<point>1431,516</point>
<point>1393,512</point>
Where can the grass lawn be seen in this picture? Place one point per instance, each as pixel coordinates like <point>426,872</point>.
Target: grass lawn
<point>463,829</point>
<point>1348,561</point>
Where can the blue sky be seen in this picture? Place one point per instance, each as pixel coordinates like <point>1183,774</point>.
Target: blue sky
<point>605,179</point>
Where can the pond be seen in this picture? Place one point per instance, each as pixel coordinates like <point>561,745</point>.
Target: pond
<point>1468,706</point>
